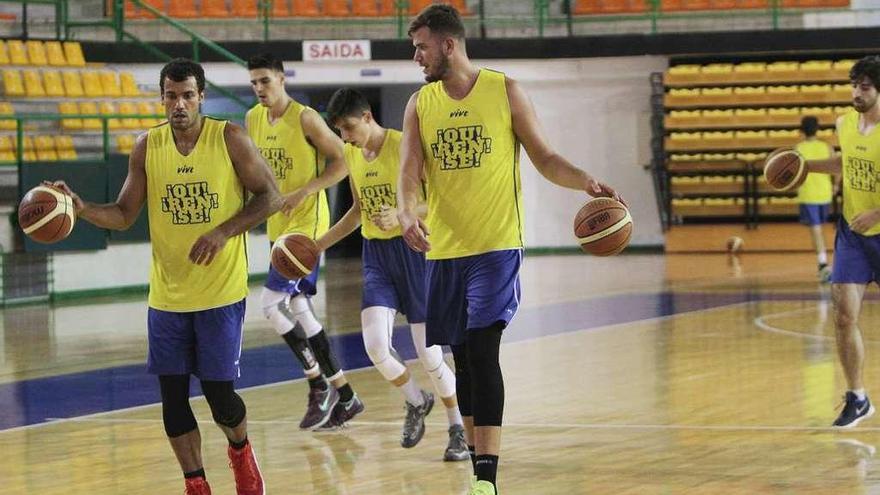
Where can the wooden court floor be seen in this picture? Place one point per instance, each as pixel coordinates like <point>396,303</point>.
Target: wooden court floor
<point>641,374</point>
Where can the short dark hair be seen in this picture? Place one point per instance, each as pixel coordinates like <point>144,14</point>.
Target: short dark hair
<point>265,61</point>
<point>181,69</point>
<point>809,125</point>
<point>440,19</point>
<point>346,102</point>
<point>866,67</point>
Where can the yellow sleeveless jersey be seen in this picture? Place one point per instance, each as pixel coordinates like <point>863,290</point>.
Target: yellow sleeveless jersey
<point>861,157</point>
<point>294,162</point>
<point>187,196</point>
<point>817,189</point>
<point>472,167</point>
<point>375,182</point>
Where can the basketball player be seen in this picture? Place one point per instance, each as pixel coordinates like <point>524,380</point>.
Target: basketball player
<point>462,131</point>
<point>295,141</point>
<point>857,245</point>
<point>814,195</point>
<point>193,171</point>
<point>394,274</point>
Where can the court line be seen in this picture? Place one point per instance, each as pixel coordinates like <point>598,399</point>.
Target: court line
<point>761,323</point>
<point>55,421</point>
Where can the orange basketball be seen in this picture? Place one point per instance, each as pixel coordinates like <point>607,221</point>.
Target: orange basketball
<point>785,169</point>
<point>46,214</point>
<point>294,255</point>
<point>603,226</point>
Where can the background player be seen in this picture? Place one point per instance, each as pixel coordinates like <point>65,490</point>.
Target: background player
<point>394,274</point>
<point>462,130</point>
<point>295,141</point>
<point>193,171</point>
<point>815,194</point>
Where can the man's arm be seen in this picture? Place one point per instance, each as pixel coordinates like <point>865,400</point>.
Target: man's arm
<point>121,214</point>
<point>331,147</point>
<point>254,174</point>
<point>346,225</point>
<point>412,160</point>
<point>553,166</point>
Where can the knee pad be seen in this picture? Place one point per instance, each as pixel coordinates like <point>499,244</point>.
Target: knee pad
<point>276,310</point>
<point>227,408</point>
<point>302,314</point>
<point>432,360</point>
<point>378,322</point>
<point>487,381</point>
<point>463,380</point>
<point>177,415</point>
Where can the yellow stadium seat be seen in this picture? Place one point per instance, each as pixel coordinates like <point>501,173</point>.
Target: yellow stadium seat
<point>6,109</point>
<point>811,66</point>
<point>44,143</point>
<point>145,108</point>
<point>33,84</point>
<point>64,147</point>
<point>73,53</point>
<point>17,52</point>
<point>12,83</point>
<point>72,84</point>
<point>89,108</point>
<point>110,83</point>
<point>69,108</point>
<point>129,86</point>
<point>28,146</point>
<point>107,108</point>
<point>129,108</point>
<point>55,53</point>
<point>125,143</point>
<point>36,53</point>
<point>4,53</point>
<point>54,86</point>
<point>159,109</point>
<point>92,83</point>
<point>7,151</point>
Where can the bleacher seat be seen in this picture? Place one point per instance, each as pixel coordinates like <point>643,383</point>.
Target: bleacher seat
<point>7,152</point>
<point>45,148</point>
<point>387,8</point>
<point>244,8</point>
<point>55,53</point>
<point>12,83</point>
<point>416,6</point>
<point>6,110</point>
<point>129,108</point>
<point>332,8</point>
<point>69,108</point>
<point>129,86</point>
<point>28,147</point>
<point>90,108</point>
<point>137,13</point>
<point>54,86</point>
<point>110,83</point>
<point>280,8</point>
<point>125,143</point>
<point>145,108</point>
<point>184,9</point>
<point>92,84</point>
<point>36,53</point>
<point>17,52</point>
<point>4,53</point>
<point>64,147</point>
<point>72,84</point>
<point>365,8</point>
<point>303,8</point>
<point>33,83</point>
<point>73,53</point>
<point>107,108</point>
<point>215,8</point>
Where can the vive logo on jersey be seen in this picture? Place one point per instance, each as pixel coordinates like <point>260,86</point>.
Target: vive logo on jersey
<point>373,197</point>
<point>861,174</point>
<point>185,169</point>
<point>278,160</point>
<point>458,113</point>
<point>460,147</point>
<point>189,203</point>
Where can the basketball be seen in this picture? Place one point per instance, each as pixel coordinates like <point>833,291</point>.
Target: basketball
<point>294,255</point>
<point>785,170</point>
<point>603,227</point>
<point>46,214</point>
<point>734,244</point>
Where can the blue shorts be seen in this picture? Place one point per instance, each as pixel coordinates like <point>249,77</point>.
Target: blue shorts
<point>307,285</point>
<point>856,257</point>
<point>815,214</point>
<point>205,343</point>
<point>394,277</point>
<point>471,292</point>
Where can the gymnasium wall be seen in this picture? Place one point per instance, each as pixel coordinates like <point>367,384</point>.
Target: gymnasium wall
<point>594,111</point>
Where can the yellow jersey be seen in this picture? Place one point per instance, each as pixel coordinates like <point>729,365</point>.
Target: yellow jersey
<point>187,196</point>
<point>375,182</point>
<point>474,188</point>
<point>295,162</point>
<point>861,157</point>
<point>818,188</point>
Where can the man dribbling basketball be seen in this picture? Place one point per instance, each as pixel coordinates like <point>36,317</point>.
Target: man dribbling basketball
<point>463,130</point>
<point>857,244</point>
<point>193,171</point>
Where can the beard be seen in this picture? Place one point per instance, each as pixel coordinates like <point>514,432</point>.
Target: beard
<point>441,70</point>
<point>863,106</point>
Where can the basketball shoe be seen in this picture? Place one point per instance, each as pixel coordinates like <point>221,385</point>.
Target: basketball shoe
<point>197,486</point>
<point>342,413</point>
<point>320,407</point>
<point>483,487</point>
<point>248,479</point>
<point>854,411</point>
<point>414,424</point>
<point>456,449</point>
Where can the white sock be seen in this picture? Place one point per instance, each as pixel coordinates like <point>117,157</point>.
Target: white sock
<point>454,416</point>
<point>412,392</point>
<point>823,258</point>
<point>860,394</point>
